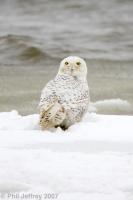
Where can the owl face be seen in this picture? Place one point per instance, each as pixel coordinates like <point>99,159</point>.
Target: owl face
<point>73,66</point>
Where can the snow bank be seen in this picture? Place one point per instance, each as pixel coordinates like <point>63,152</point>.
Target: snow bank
<point>91,160</point>
<point>13,121</point>
<point>111,106</point>
<point>93,126</point>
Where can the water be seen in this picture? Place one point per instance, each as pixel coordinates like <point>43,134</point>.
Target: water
<point>36,34</point>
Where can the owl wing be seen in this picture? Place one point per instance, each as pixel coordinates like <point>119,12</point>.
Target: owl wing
<point>48,96</point>
<point>51,111</point>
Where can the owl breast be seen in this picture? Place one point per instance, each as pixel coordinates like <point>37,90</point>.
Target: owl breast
<point>73,94</point>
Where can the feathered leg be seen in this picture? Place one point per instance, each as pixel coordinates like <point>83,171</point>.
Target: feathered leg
<point>52,117</point>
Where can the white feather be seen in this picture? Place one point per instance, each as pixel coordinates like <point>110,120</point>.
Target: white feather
<point>65,99</point>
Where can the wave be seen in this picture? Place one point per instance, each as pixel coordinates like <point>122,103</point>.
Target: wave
<point>19,49</point>
<point>111,106</point>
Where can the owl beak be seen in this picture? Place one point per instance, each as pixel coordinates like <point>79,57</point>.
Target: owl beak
<point>72,68</point>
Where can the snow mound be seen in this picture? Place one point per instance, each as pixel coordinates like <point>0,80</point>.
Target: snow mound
<point>93,126</point>
<point>111,105</point>
<point>91,160</point>
<point>13,121</point>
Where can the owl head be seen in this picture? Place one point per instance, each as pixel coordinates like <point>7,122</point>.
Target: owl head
<point>73,66</point>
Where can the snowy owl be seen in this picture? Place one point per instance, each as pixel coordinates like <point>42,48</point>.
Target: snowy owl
<point>65,99</point>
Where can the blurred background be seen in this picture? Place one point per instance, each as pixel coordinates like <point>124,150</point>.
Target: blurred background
<point>36,34</point>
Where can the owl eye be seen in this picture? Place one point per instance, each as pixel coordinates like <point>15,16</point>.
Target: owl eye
<point>78,63</point>
<point>66,63</point>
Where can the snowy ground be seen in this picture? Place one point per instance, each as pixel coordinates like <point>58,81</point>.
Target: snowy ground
<point>92,160</point>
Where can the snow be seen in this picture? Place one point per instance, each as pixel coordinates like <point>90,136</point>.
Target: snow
<point>93,159</point>
<point>111,105</point>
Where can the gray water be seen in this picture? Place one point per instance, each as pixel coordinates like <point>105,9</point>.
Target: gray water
<point>36,34</point>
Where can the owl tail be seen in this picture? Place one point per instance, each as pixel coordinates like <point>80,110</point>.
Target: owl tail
<point>52,117</point>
